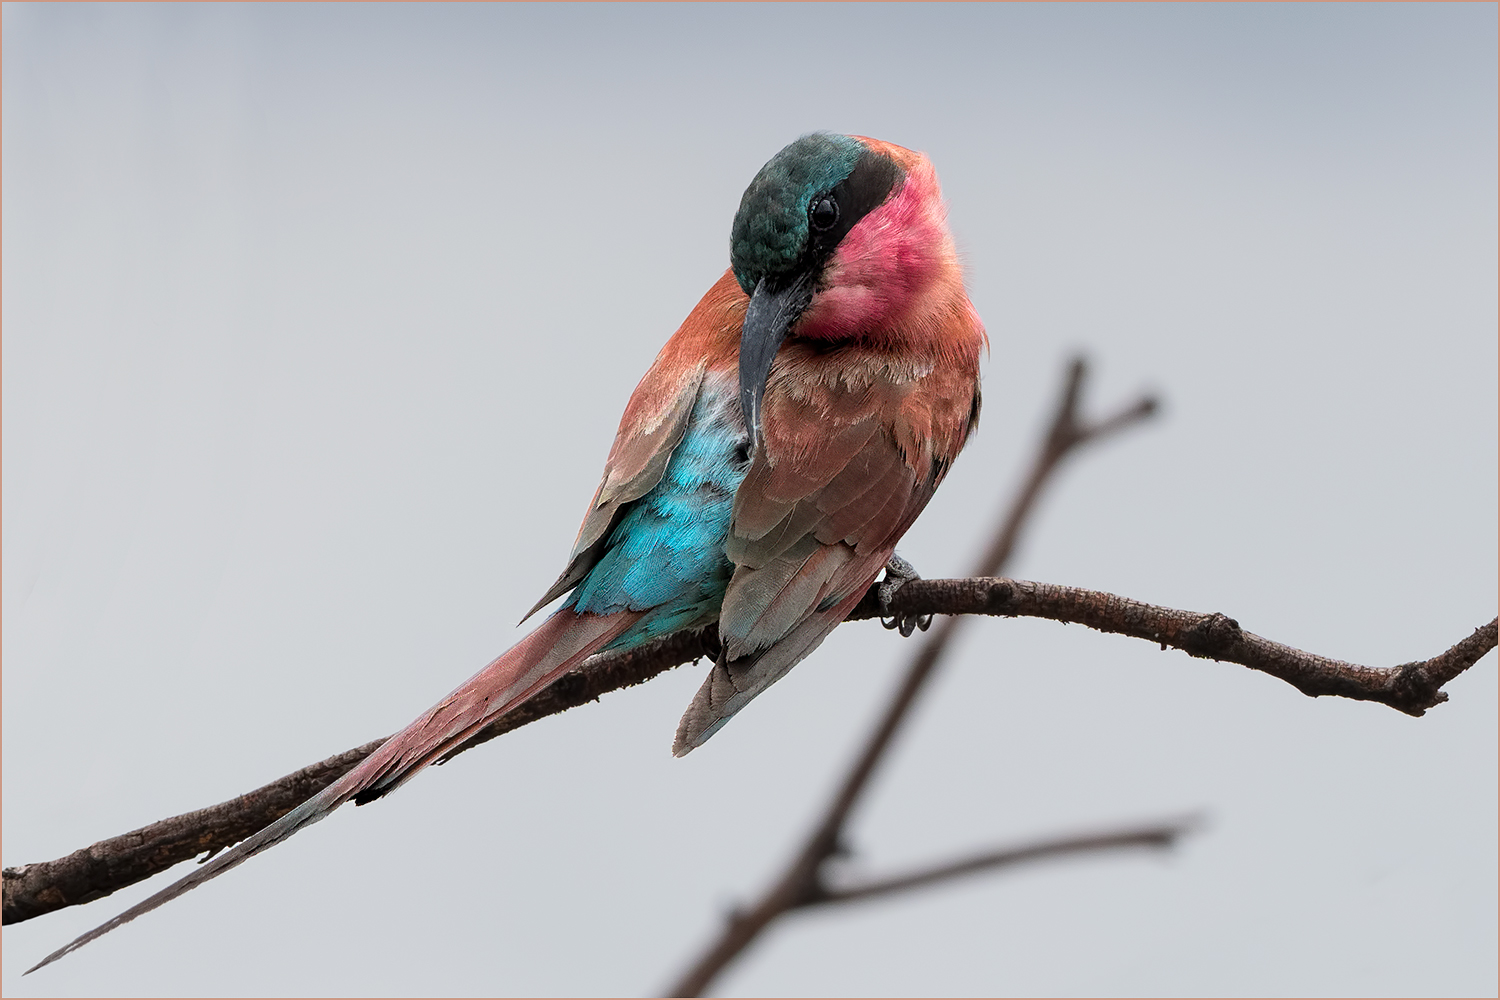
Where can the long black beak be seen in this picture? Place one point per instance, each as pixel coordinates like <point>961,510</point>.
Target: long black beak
<point>772,311</point>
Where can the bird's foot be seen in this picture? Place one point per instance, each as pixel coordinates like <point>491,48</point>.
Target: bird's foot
<point>897,572</point>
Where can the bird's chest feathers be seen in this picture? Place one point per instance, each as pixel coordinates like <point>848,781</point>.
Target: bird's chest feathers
<point>815,394</point>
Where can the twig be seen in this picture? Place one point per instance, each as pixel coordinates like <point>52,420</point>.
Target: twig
<point>1162,835</point>
<point>1065,434</point>
<point>1407,687</point>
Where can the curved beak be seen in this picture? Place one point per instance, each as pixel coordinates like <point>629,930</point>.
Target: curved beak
<point>772,311</point>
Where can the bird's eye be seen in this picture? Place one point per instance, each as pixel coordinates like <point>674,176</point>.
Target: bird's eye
<point>824,213</point>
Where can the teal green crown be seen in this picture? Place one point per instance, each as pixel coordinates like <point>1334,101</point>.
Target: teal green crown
<point>770,229</point>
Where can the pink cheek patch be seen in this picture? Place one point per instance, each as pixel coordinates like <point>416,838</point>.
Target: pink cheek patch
<point>881,270</point>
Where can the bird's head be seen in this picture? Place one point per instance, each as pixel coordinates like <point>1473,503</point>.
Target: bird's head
<point>841,239</point>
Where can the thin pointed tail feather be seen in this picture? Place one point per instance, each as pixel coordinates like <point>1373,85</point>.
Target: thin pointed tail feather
<point>306,814</point>
<point>555,647</point>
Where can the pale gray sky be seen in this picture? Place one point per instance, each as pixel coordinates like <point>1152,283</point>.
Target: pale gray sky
<point>317,325</point>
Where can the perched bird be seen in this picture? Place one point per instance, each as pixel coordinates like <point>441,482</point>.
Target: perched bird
<point>784,439</point>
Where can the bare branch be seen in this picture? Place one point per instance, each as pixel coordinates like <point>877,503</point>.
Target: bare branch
<point>1408,687</point>
<point>100,869</point>
<point>1163,835</point>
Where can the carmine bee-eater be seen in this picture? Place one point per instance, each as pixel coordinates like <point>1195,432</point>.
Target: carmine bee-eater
<point>783,441</point>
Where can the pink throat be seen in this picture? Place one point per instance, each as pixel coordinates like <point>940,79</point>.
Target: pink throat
<point>892,273</point>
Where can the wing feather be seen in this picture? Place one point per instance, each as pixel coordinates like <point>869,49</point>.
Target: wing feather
<point>650,431</point>
<point>856,441</point>
<point>654,422</point>
<point>772,491</point>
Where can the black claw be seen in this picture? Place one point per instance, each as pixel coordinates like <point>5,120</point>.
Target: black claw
<point>897,573</point>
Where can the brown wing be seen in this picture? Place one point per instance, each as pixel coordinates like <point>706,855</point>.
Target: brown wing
<point>856,441</point>
<point>651,429</point>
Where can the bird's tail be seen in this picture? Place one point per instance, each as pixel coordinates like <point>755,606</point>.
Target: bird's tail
<point>556,646</point>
